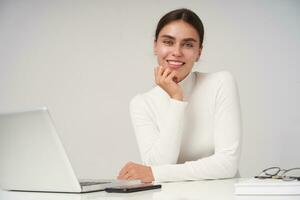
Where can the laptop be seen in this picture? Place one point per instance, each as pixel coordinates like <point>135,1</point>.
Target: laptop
<point>32,157</point>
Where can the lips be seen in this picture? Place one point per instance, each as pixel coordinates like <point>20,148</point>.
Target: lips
<point>175,63</point>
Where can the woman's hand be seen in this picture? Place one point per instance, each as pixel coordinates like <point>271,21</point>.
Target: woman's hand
<point>133,171</point>
<point>167,79</point>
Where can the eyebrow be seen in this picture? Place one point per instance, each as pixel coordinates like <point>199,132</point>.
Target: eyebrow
<point>185,39</point>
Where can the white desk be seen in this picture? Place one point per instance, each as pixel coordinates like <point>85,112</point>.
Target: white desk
<point>203,190</point>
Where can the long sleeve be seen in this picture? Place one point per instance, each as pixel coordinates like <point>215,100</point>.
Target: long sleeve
<point>158,145</point>
<point>227,136</point>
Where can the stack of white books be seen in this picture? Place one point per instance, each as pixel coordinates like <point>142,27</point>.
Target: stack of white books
<point>268,187</point>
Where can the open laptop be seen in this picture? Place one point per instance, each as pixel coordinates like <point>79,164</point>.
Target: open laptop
<point>32,157</point>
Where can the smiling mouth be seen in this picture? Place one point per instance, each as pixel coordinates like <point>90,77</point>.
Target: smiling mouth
<point>175,63</point>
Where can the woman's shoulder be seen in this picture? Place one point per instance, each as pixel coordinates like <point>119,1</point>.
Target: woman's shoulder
<point>224,74</point>
<point>220,77</point>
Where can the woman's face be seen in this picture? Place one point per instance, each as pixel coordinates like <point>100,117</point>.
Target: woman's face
<point>177,47</point>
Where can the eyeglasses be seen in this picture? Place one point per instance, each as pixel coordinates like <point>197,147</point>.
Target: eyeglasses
<point>278,173</point>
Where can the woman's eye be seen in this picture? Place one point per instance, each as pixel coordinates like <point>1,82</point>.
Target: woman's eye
<point>188,45</point>
<point>168,42</point>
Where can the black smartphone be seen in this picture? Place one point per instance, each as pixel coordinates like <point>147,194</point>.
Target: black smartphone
<point>132,188</point>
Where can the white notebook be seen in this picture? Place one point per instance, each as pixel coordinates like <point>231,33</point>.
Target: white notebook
<point>255,186</point>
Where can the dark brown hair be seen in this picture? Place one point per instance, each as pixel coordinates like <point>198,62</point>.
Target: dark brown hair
<point>187,16</point>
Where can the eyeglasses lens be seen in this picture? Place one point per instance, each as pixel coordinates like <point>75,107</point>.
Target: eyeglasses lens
<point>272,171</point>
<point>291,174</point>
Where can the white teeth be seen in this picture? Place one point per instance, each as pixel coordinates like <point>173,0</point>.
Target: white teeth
<point>175,62</point>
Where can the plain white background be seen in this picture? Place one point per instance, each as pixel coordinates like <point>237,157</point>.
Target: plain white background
<point>85,60</point>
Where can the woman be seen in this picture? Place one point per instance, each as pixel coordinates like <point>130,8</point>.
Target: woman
<point>189,126</point>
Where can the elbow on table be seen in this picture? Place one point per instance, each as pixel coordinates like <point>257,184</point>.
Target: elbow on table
<point>225,172</point>
<point>229,168</point>
<point>214,169</point>
<point>230,172</point>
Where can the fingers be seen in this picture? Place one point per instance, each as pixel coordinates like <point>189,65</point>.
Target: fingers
<point>125,169</point>
<point>160,70</point>
<point>132,171</point>
<point>172,77</point>
<point>127,176</point>
<point>165,75</point>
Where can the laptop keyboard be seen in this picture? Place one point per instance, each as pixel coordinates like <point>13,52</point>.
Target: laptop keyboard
<point>87,183</point>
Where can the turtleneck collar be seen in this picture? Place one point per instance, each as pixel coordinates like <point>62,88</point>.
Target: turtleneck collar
<point>187,84</point>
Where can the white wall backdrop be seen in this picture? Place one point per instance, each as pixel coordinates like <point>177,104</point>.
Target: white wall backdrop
<point>85,60</point>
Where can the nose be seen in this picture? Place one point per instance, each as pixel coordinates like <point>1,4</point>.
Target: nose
<point>177,51</point>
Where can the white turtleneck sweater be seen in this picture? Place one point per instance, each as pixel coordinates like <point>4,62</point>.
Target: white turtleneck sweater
<point>198,138</point>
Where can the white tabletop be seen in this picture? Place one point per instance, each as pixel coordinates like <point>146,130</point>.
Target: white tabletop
<point>206,190</point>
